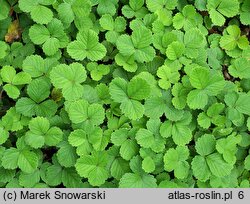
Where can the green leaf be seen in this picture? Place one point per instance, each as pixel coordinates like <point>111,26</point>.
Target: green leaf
<point>175,50</point>
<point>39,34</point>
<point>3,49</point>
<point>4,135</point>
<point>205,145</point>
<point>228,147</point>
<point>243,13</point>
<point>158,4</point>
<point>96,114</point>
<point>54,175</point>
<point>233,39</point>
<point>119,168</point>
<point>167,76</point>
<point>21,78</point>
<point>181,135</point>
<point>128,149</point>
<point>86,45</point>
<point>65,13</point>
<point>240,68</point>
<point>148,165</point>
<point>27,161</point>
<point>222,7</point>
<point>118,137</point>
<point>8,73</point>
<point>218,166</point>
<point>133,180</point>
<point>34,65</point>
<point>242,104</point>
<point>93,167</point>
<point>175,159</point>
<point>199,78</point>
<point>12,120</point>
<point>127,62</point>
<point>5,9</point>
<point>138,89</point>
<point>138,44</point>
<point>28,180</point>
<point>66,155</point>
<point>51,37</point>
<point>77,137</point>
<point>41,14</point>
<point>78,111</point>
<point>6,175</point>
<point>27,5</point>
<point>12,91</point>
<point>132,109</point>
<point>38,90</point>
<point>193,40</point>
<point>97,71</point>
<point>145,138</point>
<point>71,179</point>
<point>200,168</point>
<point>203,120</point>
<point>247,163</point>
<point>125,45</point>
<point>69,79</point>
<point>107,22</point>
<point>197,99</point>
<point>141,38</point>
<point>10,158</point>
<point>118,90</point>
<point>81,8</point>
<point>228,9</point>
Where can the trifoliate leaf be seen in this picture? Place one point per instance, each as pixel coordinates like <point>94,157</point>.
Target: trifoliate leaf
<point>233,39</point>
<point>175,159</point>
<point>221,8</point>
<point>93,167</point>
<point>69,79</point>
<point>38,10</point>
<point>9,75</point>
<point>51,37</point>
<point>240,68</point>
<point>40,133</point>
<point>138,44</point>
<point>86,45</point>
<point>167,76</point>
<point>228,147</point>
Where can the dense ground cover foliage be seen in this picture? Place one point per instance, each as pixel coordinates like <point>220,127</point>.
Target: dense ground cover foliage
<point>124,93</point>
